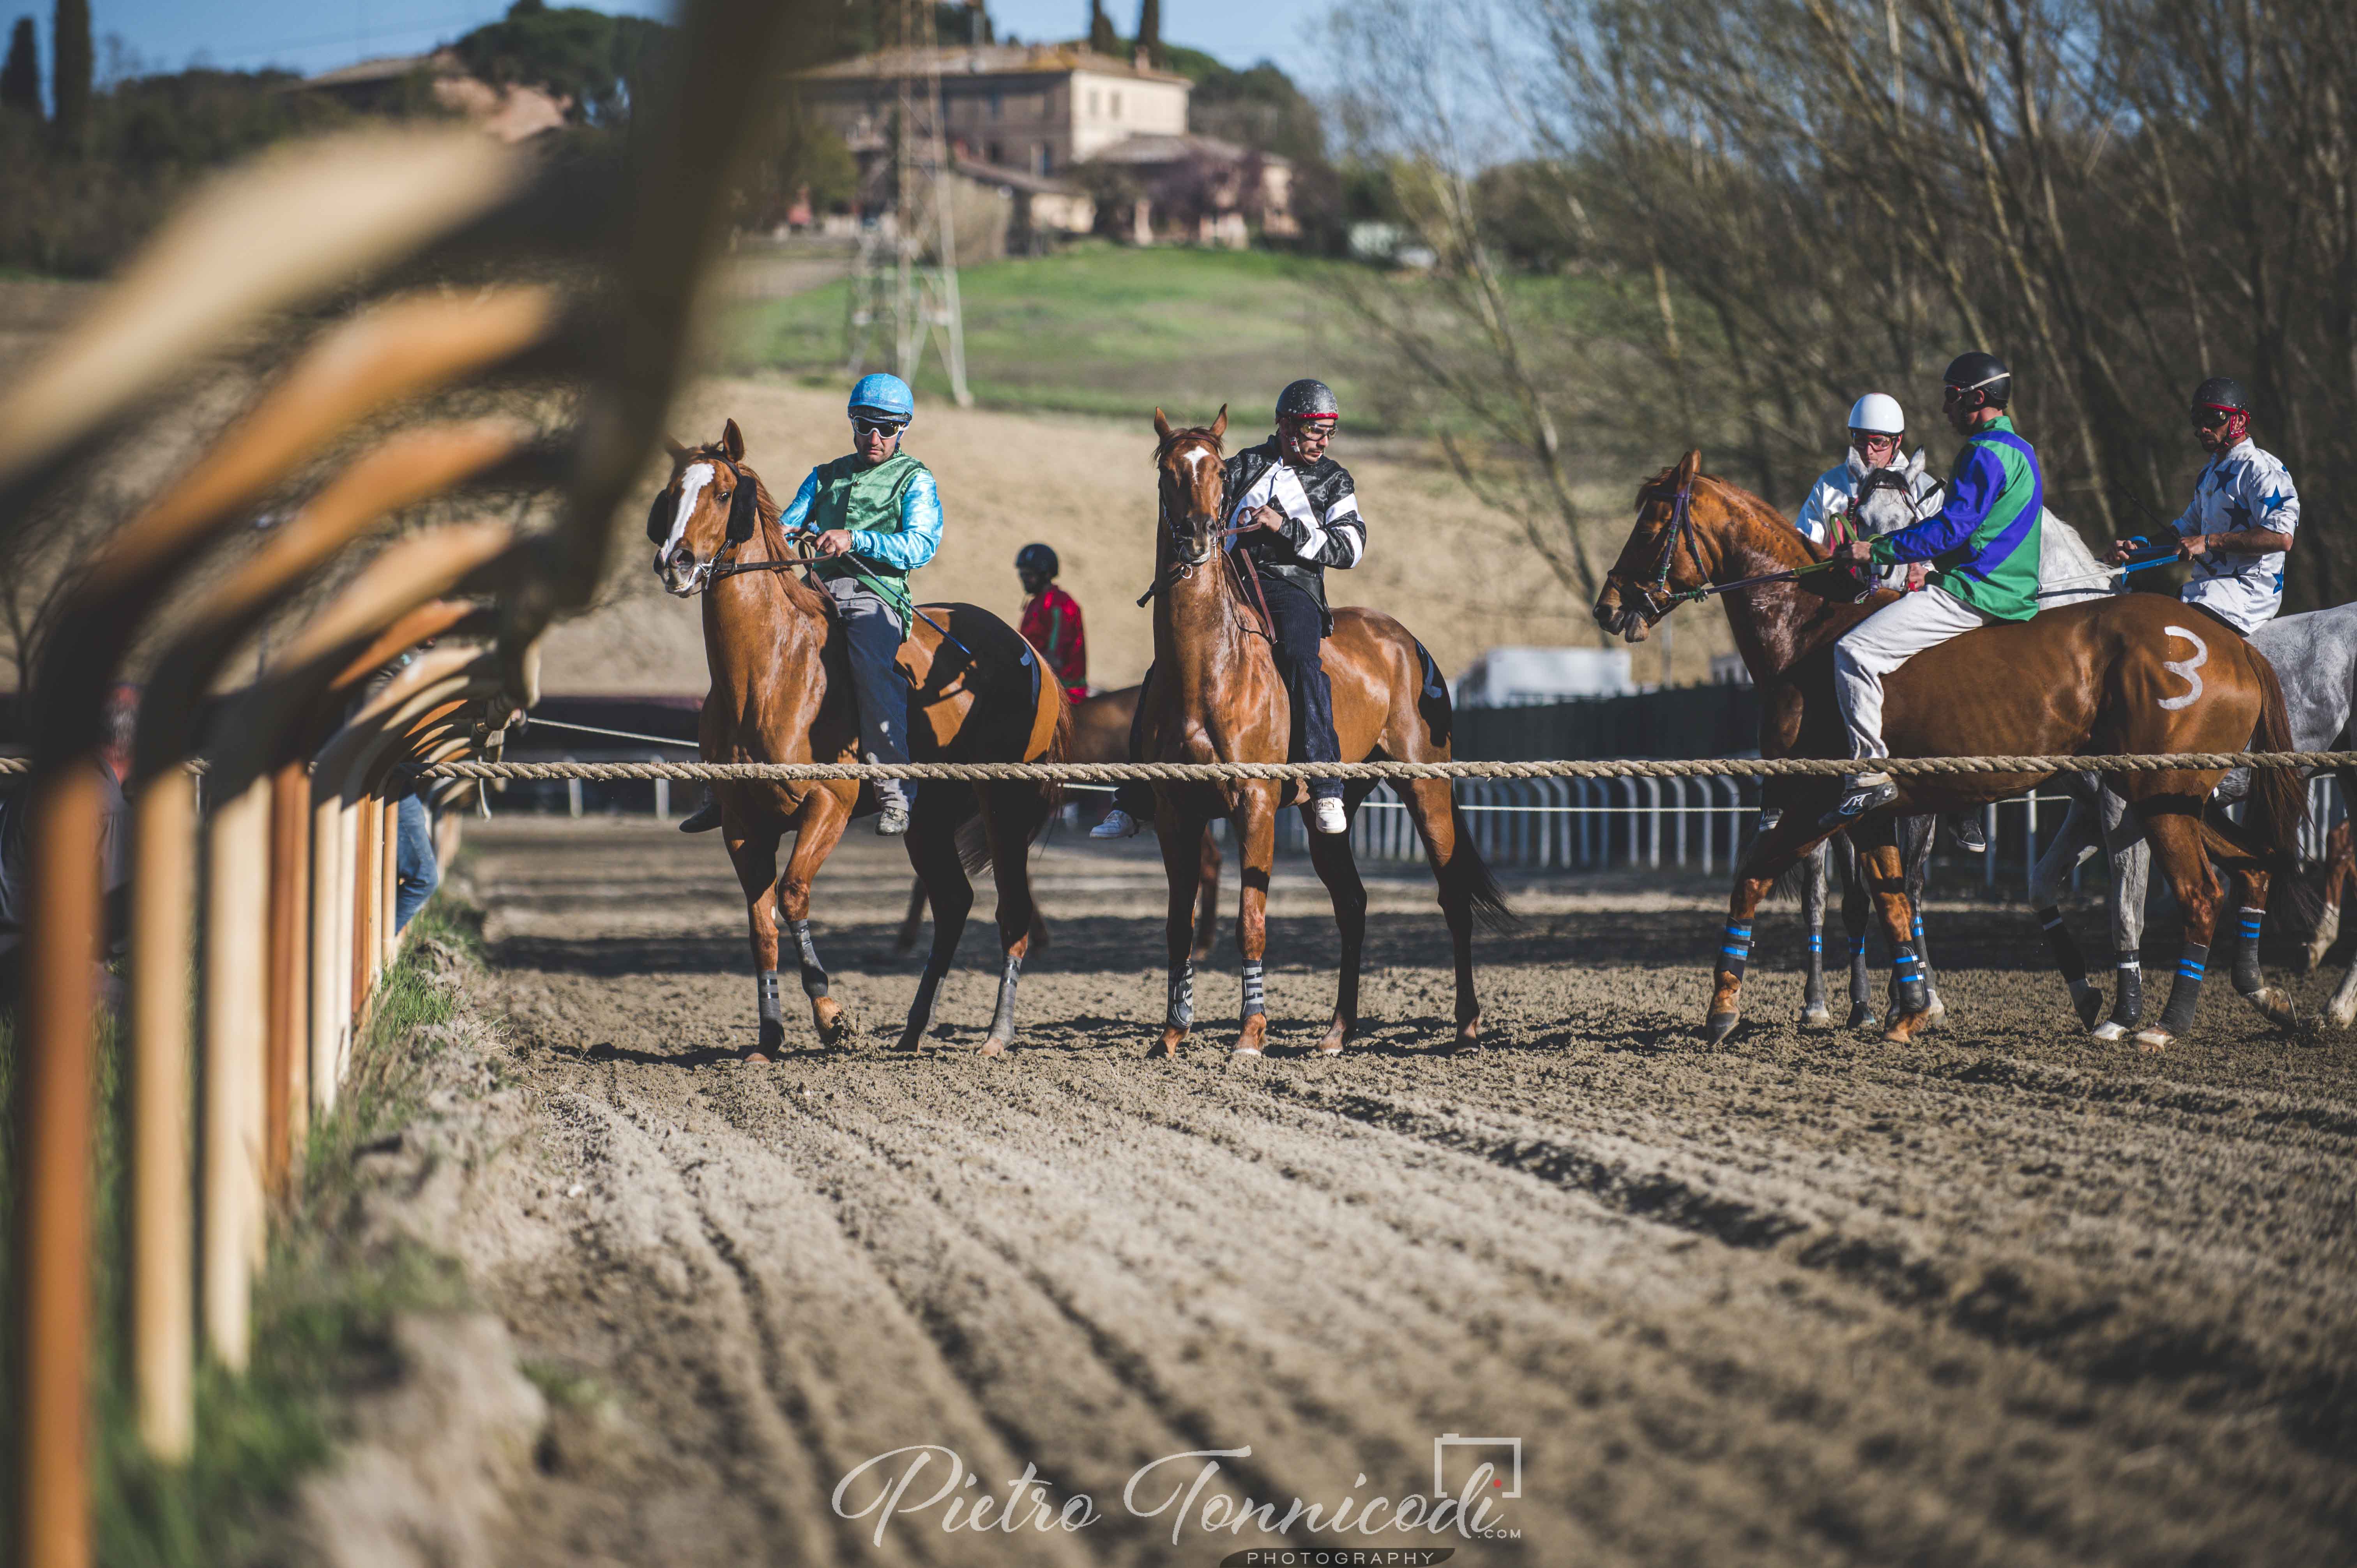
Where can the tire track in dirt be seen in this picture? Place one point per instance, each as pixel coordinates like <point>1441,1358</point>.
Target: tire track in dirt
<point>2004,1297</point>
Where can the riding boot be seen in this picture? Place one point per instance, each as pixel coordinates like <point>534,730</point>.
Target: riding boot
<point>704,819</point>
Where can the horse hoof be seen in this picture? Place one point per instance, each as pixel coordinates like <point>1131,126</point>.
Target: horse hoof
<point>1167,1048</point>
<point>755,1055</point>
<point>2089,1002</point>
<point>1937,1011</point>
<point>2111,1029</point>
<point>2154,1039</point>
<point>1903,1027</point>
<point>839,1029</point>
<point>2275,1007</point>
<point>1818,1018</point>
<point>1243,1051</point>
<point>2341,1015</point>
<point>1719,1026</point>
<point>1860,1015</point>
<point>1338,1035</point>
<point>992,1045</point>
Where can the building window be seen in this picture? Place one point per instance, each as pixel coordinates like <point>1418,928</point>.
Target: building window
<point>1117,105</point>
<point>1094,105</point>
<point>992,153</point>
<point>998,103</point>
<point>1042,161</point>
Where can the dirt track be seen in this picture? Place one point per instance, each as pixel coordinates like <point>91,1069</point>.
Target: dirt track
<point>2001,1297</point>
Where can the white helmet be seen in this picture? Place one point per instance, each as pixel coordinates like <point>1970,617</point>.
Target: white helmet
<point>1878,414</point>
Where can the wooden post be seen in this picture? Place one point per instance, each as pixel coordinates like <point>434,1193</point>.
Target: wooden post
<point>163,1196</point>
<point>286,1062</point>
<point>52,1265</point>
<point>236,877</point>
<point>327,990</point>
<point>368,839</point>
<point>388,913</point>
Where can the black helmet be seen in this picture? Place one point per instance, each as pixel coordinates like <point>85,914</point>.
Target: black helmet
<point>2222,392</point>
<point>1306,399</point>
<point>1036,558</point>
<point>1982,373</point>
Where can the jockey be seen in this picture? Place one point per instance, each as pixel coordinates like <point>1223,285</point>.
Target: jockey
<point>1298,512</point>
<point>2240,522</point>
<point>1052,620</point>
<point>1877,429</point>
<point>1983,543</point>
<point>876,514</point>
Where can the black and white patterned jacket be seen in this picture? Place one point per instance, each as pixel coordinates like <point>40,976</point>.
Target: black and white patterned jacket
<point>1322,526</point>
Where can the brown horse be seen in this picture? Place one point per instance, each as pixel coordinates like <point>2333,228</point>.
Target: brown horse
<point>2132,673</point>
<point>782,693</point>
<point>1216,697</point>
<point>1100,733</point>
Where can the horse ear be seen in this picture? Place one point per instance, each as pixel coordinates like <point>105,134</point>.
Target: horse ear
<point>1689,466</point>
<point>732,441</point>
<point>1220,425</point>
<point>679,454</point>
<point>1922,456</point>
<point>1161,424</point>
<point>744,511</point>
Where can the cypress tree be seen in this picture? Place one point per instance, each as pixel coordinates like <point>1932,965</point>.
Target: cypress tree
<point>72,67</point>
<point>20,78</point>
<point>1100,34</point>
<point>1150,30</point>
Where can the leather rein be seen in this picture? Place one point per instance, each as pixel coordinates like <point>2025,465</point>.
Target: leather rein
<point>1244,576</point>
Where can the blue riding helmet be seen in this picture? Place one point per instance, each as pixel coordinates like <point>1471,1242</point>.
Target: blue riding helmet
<point>885,394</point>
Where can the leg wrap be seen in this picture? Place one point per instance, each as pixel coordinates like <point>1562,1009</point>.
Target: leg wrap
<point>2128,996</point>
<point>2064,947</point>
<point>813,972</point>
<point>1907,980</point>
<point>2248,981</point>
<point>1735,950</point>
<point>1254,999</point>
<point>2186,994</point>
<point>1002,1022</point>
<point>768,997</point>
<point>1180,1011</point>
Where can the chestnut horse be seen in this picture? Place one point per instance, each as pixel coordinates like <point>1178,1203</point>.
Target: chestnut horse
<point>1100,733</point>
<point>2132,673</point>
<point>1216,697</point>
<point>782,693</point>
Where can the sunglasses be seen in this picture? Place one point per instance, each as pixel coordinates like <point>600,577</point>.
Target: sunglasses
<point>862,426</point>
<point>2213,418</point>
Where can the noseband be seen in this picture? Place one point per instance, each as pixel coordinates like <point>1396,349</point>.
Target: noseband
<point>723,562</point>
<point>1659,599</point>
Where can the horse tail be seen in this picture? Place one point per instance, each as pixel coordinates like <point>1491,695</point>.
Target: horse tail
<point>2278,802</point>
<point>1470,876</point>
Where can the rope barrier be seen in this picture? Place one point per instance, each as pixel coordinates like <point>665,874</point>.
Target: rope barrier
<point>1213,772</point>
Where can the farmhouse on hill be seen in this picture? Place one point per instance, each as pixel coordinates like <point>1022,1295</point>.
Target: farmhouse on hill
<point>1086,140</point>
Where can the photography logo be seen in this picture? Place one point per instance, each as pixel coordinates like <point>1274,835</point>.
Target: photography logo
<point>1455,1458</point>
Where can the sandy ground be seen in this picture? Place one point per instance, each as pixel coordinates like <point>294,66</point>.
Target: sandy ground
<point>2004,1297</point>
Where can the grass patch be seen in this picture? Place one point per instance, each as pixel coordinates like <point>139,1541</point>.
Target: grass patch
<point>323,1306</point>
<point>1100,329</point>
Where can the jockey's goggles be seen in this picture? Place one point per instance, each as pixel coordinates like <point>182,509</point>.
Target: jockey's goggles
<point>877,424</point>
<point>2214,416</point>
<point>1952,392</point>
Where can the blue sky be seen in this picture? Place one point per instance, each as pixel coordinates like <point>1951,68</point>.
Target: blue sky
<point>318,35</point>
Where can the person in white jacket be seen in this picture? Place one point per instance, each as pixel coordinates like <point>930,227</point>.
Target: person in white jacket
<point>1877,435</point>
<point>2244,511</point>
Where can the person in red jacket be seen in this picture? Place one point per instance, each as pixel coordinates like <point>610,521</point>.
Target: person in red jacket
<point>1052,620</point>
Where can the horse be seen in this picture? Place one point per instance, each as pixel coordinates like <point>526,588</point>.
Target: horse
<point>1216,697</point>
<point>782,693</point>
<point>2108,682</point>
<point>2314,656</point>
<point>2068,573</point>
<point>1100,733</point>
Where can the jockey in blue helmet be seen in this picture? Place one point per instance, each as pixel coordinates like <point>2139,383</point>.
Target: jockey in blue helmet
<point>877,517</point>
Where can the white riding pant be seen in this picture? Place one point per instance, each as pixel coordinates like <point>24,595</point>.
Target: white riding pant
<point>1881,643</point>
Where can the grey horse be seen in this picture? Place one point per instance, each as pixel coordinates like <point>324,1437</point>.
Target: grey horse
<point>2315,656</point>
<point>2067,573</point>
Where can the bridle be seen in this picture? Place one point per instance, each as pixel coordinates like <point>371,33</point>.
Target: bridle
<point>723,562</point>
<point>1183,567</point>
<point>1659,598</point>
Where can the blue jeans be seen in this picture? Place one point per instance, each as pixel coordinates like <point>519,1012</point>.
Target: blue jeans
<point>414,874</point>
<point>872,628</point>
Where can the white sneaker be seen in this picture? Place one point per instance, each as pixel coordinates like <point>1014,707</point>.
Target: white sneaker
<point>1117,824</point>
<point>1325,816</point>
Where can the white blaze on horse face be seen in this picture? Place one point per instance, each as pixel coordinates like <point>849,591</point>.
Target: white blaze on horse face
<point>691,487</point>
<point>2186,668</point>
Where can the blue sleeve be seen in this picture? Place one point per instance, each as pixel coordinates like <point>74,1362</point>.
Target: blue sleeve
<point>793,518</point>
<point>1979,480</point>
<point>920,529</point>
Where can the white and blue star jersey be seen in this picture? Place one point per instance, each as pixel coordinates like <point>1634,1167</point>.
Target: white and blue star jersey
<point>2240,488</point>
